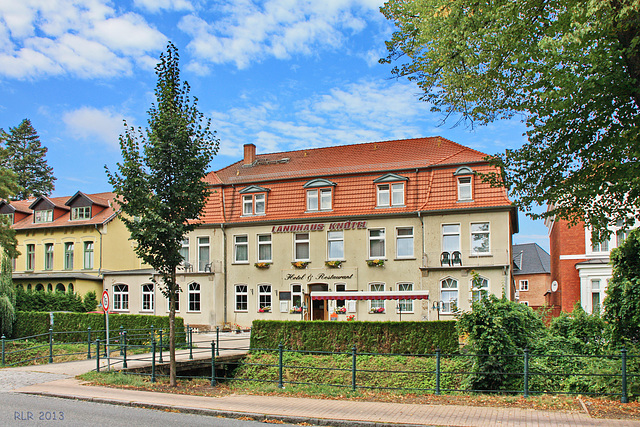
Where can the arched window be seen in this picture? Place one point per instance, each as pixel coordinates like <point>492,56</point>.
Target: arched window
<point>147,297</point>
<point>449,295</point>
<point>60,288</point>
<point>40,287</point>
<point>49,287</point>
<point>194,296</point>
<point>28,286</point>
<point>70,288</point>
<point>121,297</point>
<point>480,289</point>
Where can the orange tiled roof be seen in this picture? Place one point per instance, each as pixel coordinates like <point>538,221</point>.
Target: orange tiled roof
<point>101,217</point>
<point>428,164</point>
<point>345,159</point>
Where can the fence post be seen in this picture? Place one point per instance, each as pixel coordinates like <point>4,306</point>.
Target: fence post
<point>120,339</point>
<point>526,373</point>
<point>437,371</point>
<point>624,398</point>
<point>353,368</point>
<point>217,340</point>
<point>3,338</point>
<point>153,360</point>
<point>89,342</point>
<point>124,350</point>
<point>160,332</point>
<point>50,345</point>
<point>97,355</point>
<point>280,383</point>
<point>190,342</point>
<point>213,363</point>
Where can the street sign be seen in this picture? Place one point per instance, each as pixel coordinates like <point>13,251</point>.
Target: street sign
<point>105,300</point>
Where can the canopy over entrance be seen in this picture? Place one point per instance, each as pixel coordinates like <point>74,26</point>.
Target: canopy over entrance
<point>398,295</point>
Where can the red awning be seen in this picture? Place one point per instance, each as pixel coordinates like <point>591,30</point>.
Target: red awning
<point>400,295</point>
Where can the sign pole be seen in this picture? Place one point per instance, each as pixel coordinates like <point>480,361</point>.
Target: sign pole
<point>105,307</point>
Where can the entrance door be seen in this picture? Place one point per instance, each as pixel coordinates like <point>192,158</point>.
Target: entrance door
<point>318,307</point>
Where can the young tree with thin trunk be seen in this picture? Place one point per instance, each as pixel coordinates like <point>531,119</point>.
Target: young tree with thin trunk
<point>26,158</point>
<point>160,180</point>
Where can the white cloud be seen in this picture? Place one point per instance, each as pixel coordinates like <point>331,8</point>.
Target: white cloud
<point>156,6</point>
<point>248,32</point>
<point>85,39</point>
<point>104,125</point>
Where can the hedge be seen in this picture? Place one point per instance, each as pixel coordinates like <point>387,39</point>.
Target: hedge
<point>29,323</point>
<point>367,337</point>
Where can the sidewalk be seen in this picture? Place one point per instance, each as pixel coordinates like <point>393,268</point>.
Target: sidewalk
<point>317,411</point>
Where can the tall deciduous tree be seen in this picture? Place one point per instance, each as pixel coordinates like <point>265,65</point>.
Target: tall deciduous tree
<point>160,180</point>
<point>570,67</point>
<point>7,297</point>
<point>622,303</point>
<point>26,157</point>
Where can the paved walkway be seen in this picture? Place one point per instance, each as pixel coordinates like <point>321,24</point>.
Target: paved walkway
<point>57,380</point>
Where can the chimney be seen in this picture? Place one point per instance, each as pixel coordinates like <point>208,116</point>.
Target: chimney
<point>249,154</point>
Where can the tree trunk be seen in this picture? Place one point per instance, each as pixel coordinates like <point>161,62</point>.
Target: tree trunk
<point>172,330</point>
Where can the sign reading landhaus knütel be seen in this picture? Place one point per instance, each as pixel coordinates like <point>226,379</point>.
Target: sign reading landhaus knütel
<point>296,228</point>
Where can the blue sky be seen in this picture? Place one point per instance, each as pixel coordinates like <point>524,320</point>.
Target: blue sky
<point>282,74</point>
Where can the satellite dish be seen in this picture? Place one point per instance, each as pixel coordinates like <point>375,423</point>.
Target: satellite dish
<point>554,286</point>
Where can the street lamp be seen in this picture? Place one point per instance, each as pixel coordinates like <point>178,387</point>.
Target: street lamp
<point>438,305</point>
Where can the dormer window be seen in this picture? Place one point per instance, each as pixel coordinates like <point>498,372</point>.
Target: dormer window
<point>43,216</point>
<point>390,192</point>
<point>254,200</point>
<point>319,195</point>
<point>465,183</point>
<point>80,213</point>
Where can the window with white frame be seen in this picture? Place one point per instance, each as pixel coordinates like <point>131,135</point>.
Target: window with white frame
<point>602,246</point>
<point>390,195</point>
<point>523,285</point>
<point>479,288</point>
<point>464,188</point>
<point>264,297</point>
<point>203,254</point>
<point>405,305</point>
<point>242,298</point>
<point>296,296</point>
<point>301,246</point>
<point>404,242</point>
<point>264,248</point>
<point>43,216</point>
<point>480,238</point>
<point>450,237</point>
<point>340,287</point>
<point>449,295</point>
<point>48,256</point>
<point>68,255</point>
<point>254,204</point>
<point>376,303</point>
<point>335,242</point>
<point>80,213</point>
<point>595,296</point>
<point>184,250</point>
<point>121,297</point>
<point>377,243</point>
<point>194,297</point>
<point>241,248</point>
<point>148,297</point>
<point>88,255</point>
<point>319,199</point>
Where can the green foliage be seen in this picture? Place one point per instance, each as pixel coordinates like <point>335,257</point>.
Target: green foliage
<point>90,301</point>
<point>374,337</point>
<point>7,297</point>
<point>498,331</point>
<point>622,303</point>
<point>577,333</point>
<point>26,158</point>
<point>72,327</point>
<point>571,68</point>
<point>28,300</point>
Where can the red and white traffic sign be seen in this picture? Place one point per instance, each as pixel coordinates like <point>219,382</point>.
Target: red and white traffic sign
<point>105,300</point>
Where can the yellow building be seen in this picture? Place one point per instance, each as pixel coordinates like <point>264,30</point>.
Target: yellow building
<point>68,243</point>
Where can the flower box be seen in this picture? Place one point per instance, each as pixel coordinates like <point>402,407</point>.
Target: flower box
<point>300,264</point>
<point>262,264</point>
<point>264,310</point>
<point>379,310</point>
<point>295,310</point>
<point>333,264</point>
<point>375,262</point>
<point>341,310</point>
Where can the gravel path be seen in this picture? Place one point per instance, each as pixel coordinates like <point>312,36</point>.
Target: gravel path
<point>11,379</point>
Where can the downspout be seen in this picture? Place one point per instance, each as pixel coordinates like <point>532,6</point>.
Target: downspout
<point>99,232</point>
<point>224,256</point>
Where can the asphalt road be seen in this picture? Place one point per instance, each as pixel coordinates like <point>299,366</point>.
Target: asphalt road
<point>28,410</point>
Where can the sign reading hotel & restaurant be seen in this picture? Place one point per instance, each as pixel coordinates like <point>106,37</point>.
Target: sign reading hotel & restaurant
<point>345,275</point>
<point>333,226</point>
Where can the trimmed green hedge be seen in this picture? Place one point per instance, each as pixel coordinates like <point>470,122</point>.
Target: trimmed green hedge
<point>367,337</point>
<point>72,327</point>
